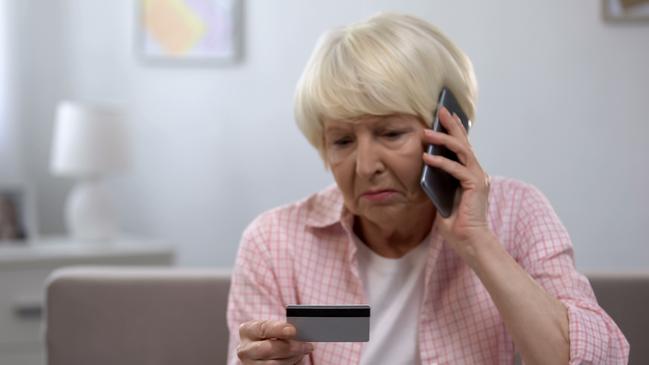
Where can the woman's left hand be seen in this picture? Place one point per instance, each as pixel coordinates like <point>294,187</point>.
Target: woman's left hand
<point>467,225</point>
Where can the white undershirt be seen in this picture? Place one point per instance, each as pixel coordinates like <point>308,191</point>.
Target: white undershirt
<point>394,289</point>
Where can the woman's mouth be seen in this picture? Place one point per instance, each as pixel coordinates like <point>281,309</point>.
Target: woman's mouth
<point>378,195</point>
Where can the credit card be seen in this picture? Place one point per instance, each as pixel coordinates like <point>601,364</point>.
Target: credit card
<point>330,323</point>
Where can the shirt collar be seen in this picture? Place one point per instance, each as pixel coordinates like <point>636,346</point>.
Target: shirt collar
<point>326,208</point>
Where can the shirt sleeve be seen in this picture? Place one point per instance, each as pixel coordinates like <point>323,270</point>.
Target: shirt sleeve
<point>254,293</point>
<point>546,253</point>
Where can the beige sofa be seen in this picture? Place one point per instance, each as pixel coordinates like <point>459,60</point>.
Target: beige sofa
<point>117,315</point>
<point>144,316</point>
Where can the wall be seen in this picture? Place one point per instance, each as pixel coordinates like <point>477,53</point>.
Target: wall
<point>562,106</point>
<point>10,160</point>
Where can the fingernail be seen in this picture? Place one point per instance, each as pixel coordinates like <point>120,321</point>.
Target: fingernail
<point>289,331</point>
<point>308,348</point>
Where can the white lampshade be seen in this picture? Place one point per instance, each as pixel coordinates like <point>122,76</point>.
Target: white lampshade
<point>89,140</point>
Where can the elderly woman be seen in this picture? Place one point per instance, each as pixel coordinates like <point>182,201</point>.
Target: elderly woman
<point>495,278</point>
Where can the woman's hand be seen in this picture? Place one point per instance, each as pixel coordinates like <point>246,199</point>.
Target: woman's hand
<point>467,225</point>
<point>270,342</point>
<point>529,312</point>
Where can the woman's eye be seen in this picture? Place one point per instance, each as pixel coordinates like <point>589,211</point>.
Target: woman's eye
<point>341,142</point>
<point>393,134</point>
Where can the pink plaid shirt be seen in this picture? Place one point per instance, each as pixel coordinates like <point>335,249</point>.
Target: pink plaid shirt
<point>304,254</point>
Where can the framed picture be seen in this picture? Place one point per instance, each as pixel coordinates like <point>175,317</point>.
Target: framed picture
<point>189,32</point>
<point>625,10</point>
<point>17,219</point>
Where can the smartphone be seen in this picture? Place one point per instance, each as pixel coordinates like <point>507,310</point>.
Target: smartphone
<point>330,323</point>
<point>439,185</point>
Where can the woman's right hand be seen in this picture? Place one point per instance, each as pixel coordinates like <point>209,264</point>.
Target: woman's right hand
<point>270,342</point>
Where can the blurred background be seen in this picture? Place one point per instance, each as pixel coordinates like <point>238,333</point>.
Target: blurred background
<point>563,105</point>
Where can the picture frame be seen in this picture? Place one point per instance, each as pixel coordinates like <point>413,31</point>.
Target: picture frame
<point>625,11</point>
<point>189,32</point>
<point>17,215</point>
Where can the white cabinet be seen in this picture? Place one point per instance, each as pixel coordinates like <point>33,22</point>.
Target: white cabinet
<point>23,270</point>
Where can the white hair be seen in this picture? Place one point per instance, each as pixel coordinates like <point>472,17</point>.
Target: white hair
<point>390,63</point>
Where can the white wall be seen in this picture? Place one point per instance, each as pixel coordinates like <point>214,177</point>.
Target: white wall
<point>563,105</point>
<point>10,160</point>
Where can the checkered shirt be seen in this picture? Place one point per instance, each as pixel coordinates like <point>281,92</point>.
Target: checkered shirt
<point>304,253</point>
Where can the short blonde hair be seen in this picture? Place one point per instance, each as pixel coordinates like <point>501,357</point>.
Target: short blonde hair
<point>390,63</point>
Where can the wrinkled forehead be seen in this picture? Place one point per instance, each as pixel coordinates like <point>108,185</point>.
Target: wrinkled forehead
<point>371,121</point>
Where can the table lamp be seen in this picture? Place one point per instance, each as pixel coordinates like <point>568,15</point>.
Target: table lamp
<point>90,143</point>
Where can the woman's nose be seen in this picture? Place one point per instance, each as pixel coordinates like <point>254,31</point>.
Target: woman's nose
<point>368,161</point>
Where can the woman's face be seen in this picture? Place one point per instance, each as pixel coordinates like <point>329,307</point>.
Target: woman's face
<point>376,162</point>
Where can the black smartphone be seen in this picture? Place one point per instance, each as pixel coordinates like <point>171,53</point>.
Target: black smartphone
<point>439,185</point>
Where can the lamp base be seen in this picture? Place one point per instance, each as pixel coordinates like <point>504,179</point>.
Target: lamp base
<point>89,213</point>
